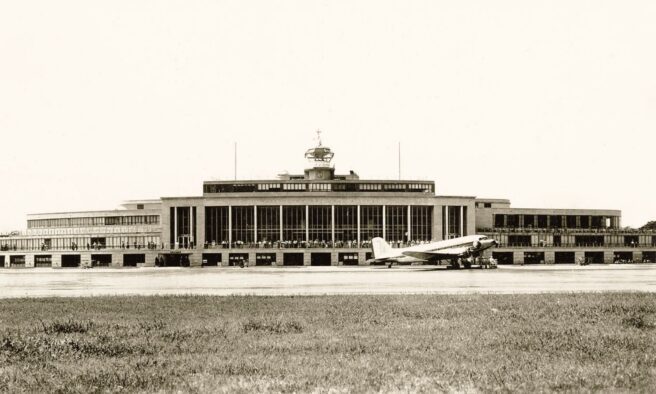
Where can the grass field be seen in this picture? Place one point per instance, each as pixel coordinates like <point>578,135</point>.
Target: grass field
<point>572,342</point>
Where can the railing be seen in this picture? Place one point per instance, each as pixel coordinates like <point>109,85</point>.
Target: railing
<point>75,248</point>
<point>306,245</point>
<point>295,245</point>
<point>563,230</point>
<point>575,245</point>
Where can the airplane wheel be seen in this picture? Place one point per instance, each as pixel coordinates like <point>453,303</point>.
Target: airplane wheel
<point>467,265</point>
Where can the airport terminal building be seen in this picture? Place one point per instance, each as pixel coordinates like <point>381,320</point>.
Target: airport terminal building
<point>315,218</point>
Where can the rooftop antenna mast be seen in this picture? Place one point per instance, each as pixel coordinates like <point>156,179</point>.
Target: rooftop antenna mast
<point>399,160</point>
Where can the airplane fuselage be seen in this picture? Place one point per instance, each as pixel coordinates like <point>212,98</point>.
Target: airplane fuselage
<point>463,247</point>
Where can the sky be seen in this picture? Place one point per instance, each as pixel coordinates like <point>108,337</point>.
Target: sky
<point>551,104</point>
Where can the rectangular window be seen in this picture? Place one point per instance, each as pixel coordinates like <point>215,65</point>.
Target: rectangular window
<point>243,225</point>
<point>589,240</point>
<point>293,223</point>
<point>394,187</point>
<point>293,187</point>
<point>322,187</point>
<point>371,187</point>
<point>519,240</point>
<point>320,224</point>
<point>371,222</point>
<point>268,187</point>
<point>557,240</point>
<point>43,261</point>
<point>346,223</point>
<point>498,220</point>
<point>268,224</point>
<point>396,223</point>
<point>454,222</point>
<point>421,223</point>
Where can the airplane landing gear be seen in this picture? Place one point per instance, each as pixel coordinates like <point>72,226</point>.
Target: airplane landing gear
<point>455,264</point>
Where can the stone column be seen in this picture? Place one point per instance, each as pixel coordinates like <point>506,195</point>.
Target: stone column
<point>462,221</point>
<point>175,228</point>
<point>359,226</point>
<point>200,227</point>
<point>637,256</point>
<point>255,224</point>
<point>518,258</point>
<point>29,260</point>
<point>56,260</point>
<point>409,224</point>
<point>281,226</point>
<point>384,225</point>
<point>307,223</point>
<point>446,222</point>
<point>85,260</point>
<point>230,226</point>
<point>149,262</point>
<point>332,225</point>
<point>608,256</point>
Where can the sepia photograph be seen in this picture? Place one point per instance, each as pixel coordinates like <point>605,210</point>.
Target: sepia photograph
<point>312,196</point>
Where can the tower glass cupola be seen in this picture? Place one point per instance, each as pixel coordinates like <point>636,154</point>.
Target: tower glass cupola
<point>319,159</point>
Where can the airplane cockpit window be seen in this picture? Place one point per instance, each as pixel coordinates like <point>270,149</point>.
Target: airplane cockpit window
<point>482,238</point>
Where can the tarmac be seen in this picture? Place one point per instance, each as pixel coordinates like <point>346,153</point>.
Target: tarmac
<point>281,281</point>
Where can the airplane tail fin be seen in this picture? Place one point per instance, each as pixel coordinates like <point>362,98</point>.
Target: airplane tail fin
<point>381,248</point>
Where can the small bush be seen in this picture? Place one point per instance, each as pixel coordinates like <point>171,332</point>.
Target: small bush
<point>67,327</point>
<point>636,322</point>
<point>273,327</point>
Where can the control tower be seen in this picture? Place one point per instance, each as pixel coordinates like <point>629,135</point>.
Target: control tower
<point>319,159</point>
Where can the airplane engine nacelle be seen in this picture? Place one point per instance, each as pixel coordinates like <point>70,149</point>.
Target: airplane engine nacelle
<point>476,245</point>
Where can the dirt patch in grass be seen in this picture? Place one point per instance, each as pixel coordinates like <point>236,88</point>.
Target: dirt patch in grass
<point>550,342</point>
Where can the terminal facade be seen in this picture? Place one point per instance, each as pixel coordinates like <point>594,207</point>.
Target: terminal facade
<point>315,218</point>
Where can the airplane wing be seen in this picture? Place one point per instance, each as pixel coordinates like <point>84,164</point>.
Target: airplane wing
<point>440,254</point>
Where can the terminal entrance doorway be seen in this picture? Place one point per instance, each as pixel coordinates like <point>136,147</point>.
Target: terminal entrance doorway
<point>594,257</point>
<point>2,261</point>
<point>647,257</point>
<point>131,260</point>
<point>265,258</point>
<point>320,259</point>
<point>533,257</point>
<point>564,258</point>
<point>292,259</point>
<point>348,258</point>
<point>623,257</point>
<point>172,260</point>
<point>70,260</point>
<point>41,261</point>
<point>211,259</point>
<point>101,260</point>
<point>237,259</point>
<point>503,257</point>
